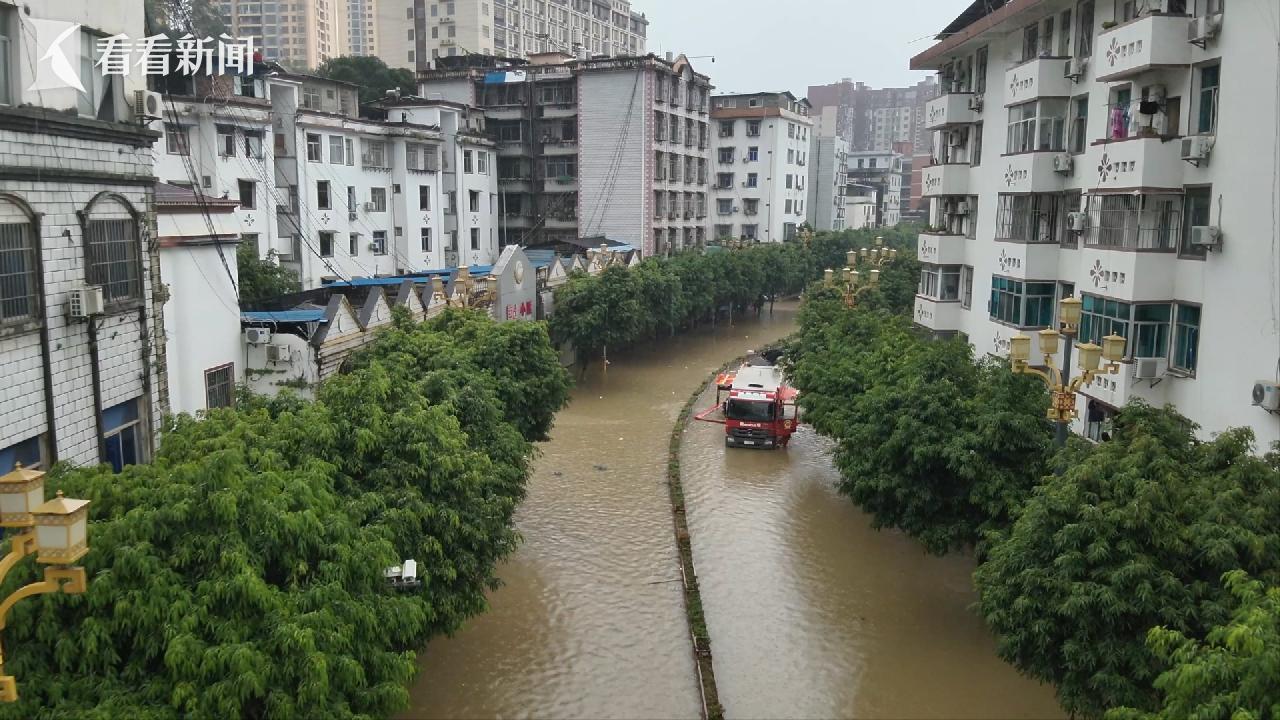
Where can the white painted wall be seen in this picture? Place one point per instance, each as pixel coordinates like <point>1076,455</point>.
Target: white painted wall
<point>779,206</point>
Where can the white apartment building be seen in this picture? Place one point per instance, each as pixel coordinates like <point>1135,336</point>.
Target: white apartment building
<point>302,33</point>
<point>413,33</point>
<point>760,166</point>
<point>1099,150</point>
<point>216,136</point>
<point>83,375</point>
<point>362,197</point>
<point>881,170</point>
<point>825,205</point>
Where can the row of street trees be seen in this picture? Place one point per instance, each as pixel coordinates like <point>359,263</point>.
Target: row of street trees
<point>1141,581</point>
<point>240,574</point>
<point>661,296</point>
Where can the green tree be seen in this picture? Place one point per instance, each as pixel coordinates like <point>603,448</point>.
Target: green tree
<point>371,74</point>
<point>178,17</point>
<point>262,279</point>
<point>1234,674</point>
<point>1135,534</point>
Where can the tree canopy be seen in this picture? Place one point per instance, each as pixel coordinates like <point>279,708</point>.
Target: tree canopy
<point>240,574</point>
<point>371,74</point>
<point>262,278</point>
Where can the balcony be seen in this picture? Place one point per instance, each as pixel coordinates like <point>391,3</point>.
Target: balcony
<point>1042,77</point>
<point>560,110</point>
<point>1118,389</point>
<point>949,179</point>
<point>508,148</point>
<point>949,109</point>
<point>938,315</point>
<point>504,112</point>
<point>1149,42</point>
<point>561,222</point>
<point>1027,261</point>
<point>552,146</point>
<point>1137,162</point>
<point>561,184</point>
<point>1032,172</point>
<point>939,248</point>
<point>515,184</point>
<point>1128,276</point>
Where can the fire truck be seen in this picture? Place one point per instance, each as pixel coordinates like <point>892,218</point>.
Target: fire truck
<point>756,407</point>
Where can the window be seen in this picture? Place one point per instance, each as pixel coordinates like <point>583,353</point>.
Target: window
<point>18,299</point>
<point>726,155</point>
<point>753,153</point>
<point>252,143</point>
<point>177,139</point>
<point>426,239</point>
<point>466,162</point>
<point>336,145</point>
<point>248,194</point>
<point>475,238</point>
<point>1079,126</point>
<point>1022,304</point>
<point>940,282</point>
<point>122,435</point>
<point>473,201</point>
<point>791,129</point>
<point>424,197</point>
<point>753,180</point>
<point>724,180</point>
<point>724,206</point>
<point>29,452</point>
<point>787,207</point>
<point>323,200</point>
<point>726,128</point>
<point>753,128</point>
<point>311,98</point>
<point>1207,118</point>
<point>7,32</point>
<point>788,181</point>
<point>1119,113</point>
<point>313,148</point>
<point>219,383</point>
<point>751,206</point>
<point>379,242</point>
<point>1100,317</point>
<point>1037,126</point>
<point>723,231</point>
<point>326,244</point>
<point>1150,331</point>
<point>1186,337</point>
<point>114,259</point>
<point>1197,208</point>
<point>378,196</point>
<point>791,156</point>
<point>1030,42</point>
<point>482,162</point>
<point>1134,222</point>
<point>1028,218</point>
<point>226,141</point>
<point>966,287</point>
<point>749,231</point>
<point>353,244</point>
<point>374,154</point>
<point>351,151</point>
<point>1084,30</point>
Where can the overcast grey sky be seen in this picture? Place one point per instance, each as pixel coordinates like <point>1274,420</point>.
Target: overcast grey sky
<point>792,44</point>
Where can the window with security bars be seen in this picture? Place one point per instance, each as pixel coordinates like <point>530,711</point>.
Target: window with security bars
<point>18,300</point>
<point>1134,222</point>
<point>113,259</point>
<point>219,386</point>
<point>1029,218</point>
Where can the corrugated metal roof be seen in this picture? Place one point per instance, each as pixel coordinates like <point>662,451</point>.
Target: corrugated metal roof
<point>282,316</point>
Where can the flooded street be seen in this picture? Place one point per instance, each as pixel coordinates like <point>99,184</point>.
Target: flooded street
<point>811,613</point>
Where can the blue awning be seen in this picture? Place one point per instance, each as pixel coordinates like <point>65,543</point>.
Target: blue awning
<point>282,316</point>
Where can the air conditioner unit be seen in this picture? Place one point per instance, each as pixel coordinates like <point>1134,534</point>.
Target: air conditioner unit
<point>374,246</point>
<point>1201,29</point>
<point>1206,236</point>
<point>85,301</point>
<point>962,208</point>
<point>975,103</point>
<point>1062,163</point>
<point>1075,68</point>
<point>1078,221</point>
<point>369,207</point>
<point>148,105</point>
<point>1266,395</point>
<point>1197,148</point>
<point>278,354</point>
<point>1149,368</point>
<point>257,336</point>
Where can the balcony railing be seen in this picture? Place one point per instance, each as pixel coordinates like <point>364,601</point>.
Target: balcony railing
<point>1125,221</point>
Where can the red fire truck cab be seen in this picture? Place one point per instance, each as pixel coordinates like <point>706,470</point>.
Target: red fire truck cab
<point>758,407</point>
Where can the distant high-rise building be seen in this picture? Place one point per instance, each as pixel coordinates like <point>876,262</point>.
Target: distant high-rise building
<point>876,119</point>
<point>299,35</point>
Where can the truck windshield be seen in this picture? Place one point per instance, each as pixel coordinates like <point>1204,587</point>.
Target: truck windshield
<point>749,410</point>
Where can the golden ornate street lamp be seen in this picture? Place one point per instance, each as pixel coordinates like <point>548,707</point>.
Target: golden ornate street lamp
<point>851,280</point>
<point>57,532</point>
<point>1062,387</point>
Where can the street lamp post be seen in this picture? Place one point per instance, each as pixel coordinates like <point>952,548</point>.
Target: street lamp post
<point>55,531</point>
<point>1062,387</point>
<point>856,270</point>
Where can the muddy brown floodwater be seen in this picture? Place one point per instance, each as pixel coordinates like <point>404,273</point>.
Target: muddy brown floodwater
<point>811,612</point>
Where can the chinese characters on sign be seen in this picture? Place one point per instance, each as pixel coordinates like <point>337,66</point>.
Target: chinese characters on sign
<point>188,55</point>
<point>522,310</point>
